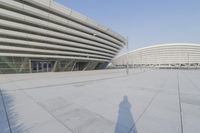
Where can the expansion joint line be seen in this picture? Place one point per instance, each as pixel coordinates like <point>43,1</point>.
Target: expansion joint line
<point>149,104</point>
<point>4,105</point>
<point>192,82</point>
<point>73,83</point>
<point>48,112</point>
<point>180,105</point>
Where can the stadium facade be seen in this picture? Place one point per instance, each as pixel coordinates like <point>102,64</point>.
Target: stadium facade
<point>175,55</point>
<point>44,36</point>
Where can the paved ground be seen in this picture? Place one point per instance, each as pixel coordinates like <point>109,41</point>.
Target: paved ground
<point>109,101</point>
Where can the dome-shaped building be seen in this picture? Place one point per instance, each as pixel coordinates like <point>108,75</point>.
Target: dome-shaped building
<point>174,55</point>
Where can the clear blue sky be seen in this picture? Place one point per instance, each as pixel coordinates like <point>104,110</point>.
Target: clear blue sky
<point>145,22</point>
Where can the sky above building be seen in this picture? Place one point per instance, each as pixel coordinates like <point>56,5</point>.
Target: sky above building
<point>145,22</point>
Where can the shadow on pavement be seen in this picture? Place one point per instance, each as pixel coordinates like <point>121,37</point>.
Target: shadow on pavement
<point>9,122</point>
<point>125,121</point>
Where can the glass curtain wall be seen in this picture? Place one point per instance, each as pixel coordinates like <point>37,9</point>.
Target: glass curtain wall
<point>34,65</point>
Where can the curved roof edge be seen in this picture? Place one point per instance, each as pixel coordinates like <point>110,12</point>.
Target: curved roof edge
<point>91,21</point>
<point>159,45</point>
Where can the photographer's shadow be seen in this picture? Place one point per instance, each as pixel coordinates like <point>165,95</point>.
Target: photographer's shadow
<point>125,121</point>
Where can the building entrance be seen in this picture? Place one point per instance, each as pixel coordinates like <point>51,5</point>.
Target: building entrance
<point>42,66</point>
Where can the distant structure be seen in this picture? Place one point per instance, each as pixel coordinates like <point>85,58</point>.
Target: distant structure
<point>175,55</point>
<point>45,36</point>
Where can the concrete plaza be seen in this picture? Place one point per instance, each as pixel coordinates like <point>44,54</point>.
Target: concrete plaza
<point>105,101</point>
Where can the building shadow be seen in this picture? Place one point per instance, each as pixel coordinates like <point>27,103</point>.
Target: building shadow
<point>125,121</point>
<point>9,122</point>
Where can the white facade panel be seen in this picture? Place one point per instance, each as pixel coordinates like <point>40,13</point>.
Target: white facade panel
<point>175,55</point>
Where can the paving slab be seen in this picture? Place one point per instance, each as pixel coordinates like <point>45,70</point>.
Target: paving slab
<point>105,101</point>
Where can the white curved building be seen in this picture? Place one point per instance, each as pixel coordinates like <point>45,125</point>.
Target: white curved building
<point>175,55</point>
<point>43,36</point>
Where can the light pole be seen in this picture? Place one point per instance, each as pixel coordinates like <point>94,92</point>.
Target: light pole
<point>188,60</point>
<point>127,67</point>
